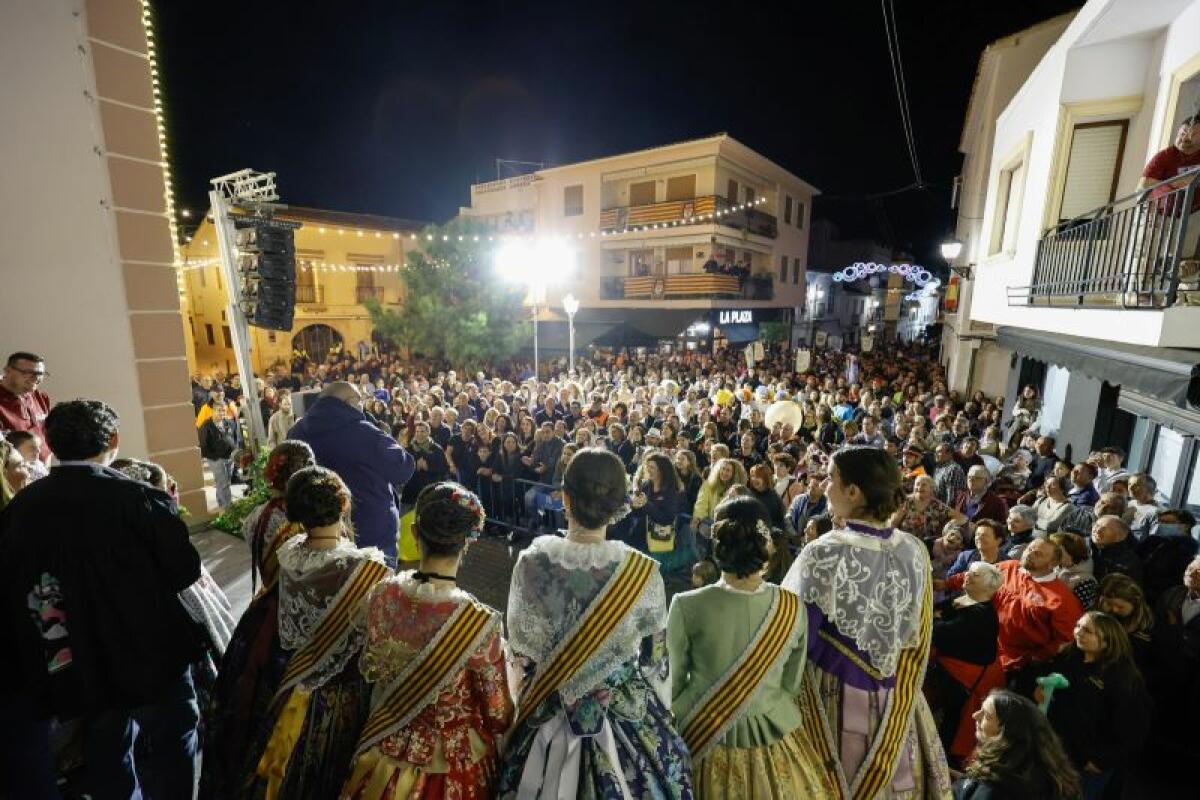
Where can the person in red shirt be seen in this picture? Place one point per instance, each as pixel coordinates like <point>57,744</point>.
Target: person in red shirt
<point>1180,157</point>
<point>23,407</point>
<point>1037,610</point>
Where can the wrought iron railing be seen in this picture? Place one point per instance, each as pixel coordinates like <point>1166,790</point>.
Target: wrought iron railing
<point>310,294</point>
<point>1138,251</point>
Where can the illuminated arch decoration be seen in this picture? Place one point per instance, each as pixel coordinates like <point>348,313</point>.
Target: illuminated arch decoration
<point>910,272</point>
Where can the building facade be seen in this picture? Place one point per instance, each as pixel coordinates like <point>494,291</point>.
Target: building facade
<point>644,225</point>
<point>1083,276</point>
<point>342,261</point>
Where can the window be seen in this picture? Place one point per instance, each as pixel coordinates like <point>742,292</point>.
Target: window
<point>787,209</point>
<point>1093,166</point>
<point>800,215</point>
<point>679,260</point>
<point>681,188</point>
<point>641,194</point>
<point>203,280</point>
<point>749,194</point>
<point>1191,500</point>
<point>796,270</point>
<point>208,333</point>
<point>226,336</point>
<point>573,201</point>
<point>783,268</point>
<point>731,193</point>
<point>1165,463</point>
<point>1008,208</point>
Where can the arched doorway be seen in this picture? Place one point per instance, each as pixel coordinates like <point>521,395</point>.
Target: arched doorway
<point>316,341</point>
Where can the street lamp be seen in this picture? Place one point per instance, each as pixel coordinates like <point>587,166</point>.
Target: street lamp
<point>951,249</point>
<point>534,266</point>
<point>571,305</point>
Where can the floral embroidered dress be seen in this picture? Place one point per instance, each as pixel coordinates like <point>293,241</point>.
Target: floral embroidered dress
<point>450,749</point>
<point>606,733</point>
<point>868,597</point>
<point>304,746</point>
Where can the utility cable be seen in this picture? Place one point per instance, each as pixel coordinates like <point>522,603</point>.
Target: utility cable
<point>893,40</point>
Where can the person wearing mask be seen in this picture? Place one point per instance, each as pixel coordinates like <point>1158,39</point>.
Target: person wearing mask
<point>751,747</point>
<point>1112,549</point>
<point>1167,551</point>
<point>1021,522</point>
<point>868,668</point>
<point>1102,715</point>
<point>93,626</point>
<point>369,461</point>
<point>964,665</point>
<point>217,444</point>
<point>1019,755</point>
<point>1077,568</point>
<point>421,623</point>
<point>1037,610</point>
<point>598,607</point>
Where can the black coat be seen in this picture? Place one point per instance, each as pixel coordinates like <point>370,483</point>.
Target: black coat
<point>968,633</point>
<point>215,442</point>
<point>104,557</point>
<point>1103,716</point>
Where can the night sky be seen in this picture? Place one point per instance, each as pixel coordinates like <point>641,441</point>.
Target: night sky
<point>397,107</point>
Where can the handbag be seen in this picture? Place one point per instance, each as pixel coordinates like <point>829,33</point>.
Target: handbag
<point>660,538</point>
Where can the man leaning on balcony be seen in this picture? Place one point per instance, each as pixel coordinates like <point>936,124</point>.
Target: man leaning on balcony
<point>1181,156</point>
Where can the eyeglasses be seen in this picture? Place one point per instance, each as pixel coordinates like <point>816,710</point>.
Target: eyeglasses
<point>33,373</point>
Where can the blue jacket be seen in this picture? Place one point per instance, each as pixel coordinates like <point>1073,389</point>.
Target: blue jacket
<point>367,459</point>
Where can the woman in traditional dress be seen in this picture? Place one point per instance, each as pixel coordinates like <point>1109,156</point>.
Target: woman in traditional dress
<point>434,653</point>
<point>868,594</point>
<point>299,743</point>
<point>586,626</point>
<point>266,527</point>
<point>737,651</point>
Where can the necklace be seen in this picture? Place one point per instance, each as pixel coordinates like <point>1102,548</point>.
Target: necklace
<point>425,577</point>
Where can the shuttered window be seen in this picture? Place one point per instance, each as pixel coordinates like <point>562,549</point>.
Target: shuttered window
<point>682,187</point>
<point>679,260</point>
<point>1092,167</point>
<point>731,191</point>
<point>641,194</point>
<point>783,268</point>
<point>573,201</point>
<point>787,210</point>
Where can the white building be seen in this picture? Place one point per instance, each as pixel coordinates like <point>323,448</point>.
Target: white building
<point>644,225</point>
<point>1077,273</point>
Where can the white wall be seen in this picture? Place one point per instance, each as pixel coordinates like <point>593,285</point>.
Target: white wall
<point>64,294</point>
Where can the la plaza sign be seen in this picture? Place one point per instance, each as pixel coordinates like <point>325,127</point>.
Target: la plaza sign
<point>742,316</point>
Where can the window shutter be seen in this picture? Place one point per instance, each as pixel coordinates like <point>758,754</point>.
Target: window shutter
<point>1092,167</point>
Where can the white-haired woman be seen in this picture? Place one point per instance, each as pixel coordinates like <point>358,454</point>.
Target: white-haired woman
<point>965,666</point>
<point>922,514</point>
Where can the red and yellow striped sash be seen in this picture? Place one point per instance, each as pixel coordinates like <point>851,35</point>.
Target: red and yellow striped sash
<point>410,691</point>
<point>334,623</point>
<point>727,700</point>
<point>269,568</point>
<point>595,626</point>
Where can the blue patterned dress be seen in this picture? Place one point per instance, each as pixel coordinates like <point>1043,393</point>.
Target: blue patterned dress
<point>607,732</point>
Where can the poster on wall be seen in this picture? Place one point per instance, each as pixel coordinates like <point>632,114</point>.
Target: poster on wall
<point>803,360</point>
<point>868,342</point>
<point>835,342</point>
<point>819,338</point>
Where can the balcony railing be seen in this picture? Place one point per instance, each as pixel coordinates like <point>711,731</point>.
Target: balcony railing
<point>690,211</point>
<point>690,285</point>
<point>364,293</point>
<point>314,295</point>
<point>1127,254</point>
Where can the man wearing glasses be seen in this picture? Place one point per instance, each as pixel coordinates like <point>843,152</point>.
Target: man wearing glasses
<point>23,407</point>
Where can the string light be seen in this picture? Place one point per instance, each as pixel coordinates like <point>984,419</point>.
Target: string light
<point>168,192</point>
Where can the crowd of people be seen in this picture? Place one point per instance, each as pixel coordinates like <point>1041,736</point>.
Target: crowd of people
<point>751,582</point>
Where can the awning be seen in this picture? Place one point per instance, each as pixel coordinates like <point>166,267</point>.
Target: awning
<point>1161,372</point>
<point>554,335</point>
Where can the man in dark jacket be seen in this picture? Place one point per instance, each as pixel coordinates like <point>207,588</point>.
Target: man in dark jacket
<point>216,447</point>
<point>1112,549</point>
<point>92,563</point>
<point>367,459</point>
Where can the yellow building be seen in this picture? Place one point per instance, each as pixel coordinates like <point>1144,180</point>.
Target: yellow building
<point>342,260</point>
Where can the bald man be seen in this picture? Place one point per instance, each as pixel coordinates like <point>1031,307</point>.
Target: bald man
<point>373,465</point>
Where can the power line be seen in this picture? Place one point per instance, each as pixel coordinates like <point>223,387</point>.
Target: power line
<point>893,40</point>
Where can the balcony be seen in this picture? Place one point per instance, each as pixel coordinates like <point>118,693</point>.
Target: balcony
<point>310,295</point>
<point>690,211</point>
<point>688,286</point>
<point>1127,254</point>
<point>364,293</point>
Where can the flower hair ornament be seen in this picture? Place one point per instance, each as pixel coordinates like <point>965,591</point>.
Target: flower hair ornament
<point>470,501</point>
<point>274,464</point>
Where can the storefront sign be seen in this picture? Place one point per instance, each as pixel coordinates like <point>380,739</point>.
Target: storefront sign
<point>736,317</point>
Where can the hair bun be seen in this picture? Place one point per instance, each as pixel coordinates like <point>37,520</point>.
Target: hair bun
<point>447,514</point>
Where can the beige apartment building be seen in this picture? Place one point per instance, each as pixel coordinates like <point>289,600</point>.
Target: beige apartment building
<point>342,260</point>
<point>643,226</point>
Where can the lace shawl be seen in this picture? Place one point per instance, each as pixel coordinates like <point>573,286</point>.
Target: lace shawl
<point>553,582</point>
<point>208,607</point>
<point>309,580</point>
<point>869,588</point>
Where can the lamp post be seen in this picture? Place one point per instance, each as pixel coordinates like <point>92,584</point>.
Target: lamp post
<point>571,305</point>
<point>534,265</point>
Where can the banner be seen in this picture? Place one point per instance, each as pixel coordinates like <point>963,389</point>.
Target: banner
<point>868,342</point>
<point>819,338</point>
<point>803,360</point>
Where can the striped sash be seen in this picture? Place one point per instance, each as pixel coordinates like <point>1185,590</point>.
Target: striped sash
<point>726,700</point>
<point>269,563</point>
<point>333,626</point>
<point>596,624</point>
<point>424,678</point>
<point>879,766</point>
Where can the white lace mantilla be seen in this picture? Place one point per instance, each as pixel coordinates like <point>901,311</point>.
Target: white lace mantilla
<point>305,592</point>
<point>553,583</point>
<point>870,588</point>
